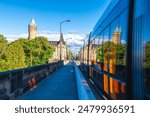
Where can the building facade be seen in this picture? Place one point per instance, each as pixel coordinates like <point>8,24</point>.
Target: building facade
<point>61,51</point>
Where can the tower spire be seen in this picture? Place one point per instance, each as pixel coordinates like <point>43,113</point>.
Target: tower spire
<point>61,38</point>
<point>32,22</point>
<point>32,29</point>
<point>116,39</point>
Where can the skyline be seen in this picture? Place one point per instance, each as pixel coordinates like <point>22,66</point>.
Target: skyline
<point>83,15</point>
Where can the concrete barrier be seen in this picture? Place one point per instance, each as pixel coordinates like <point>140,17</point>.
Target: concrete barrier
<point>66,62</point>
<point>84,91</point>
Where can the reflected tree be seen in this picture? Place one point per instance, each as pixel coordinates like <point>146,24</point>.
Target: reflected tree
<point>109,50</point>
<point>147,55</point>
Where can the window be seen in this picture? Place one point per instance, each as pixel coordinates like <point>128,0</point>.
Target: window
<point>146,54</point>
<point>99,52</point>
<point>117,55</point>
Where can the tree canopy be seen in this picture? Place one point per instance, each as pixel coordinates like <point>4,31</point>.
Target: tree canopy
<point>37,51</point>
<point>70,55</point>
<point>24,53</point>
<point>112,51</point>
<point>147,55</point>
<point>15,56</point>
<point>3,45</point>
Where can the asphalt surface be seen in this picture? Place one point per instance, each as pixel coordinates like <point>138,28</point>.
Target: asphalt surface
<point>61,85</point>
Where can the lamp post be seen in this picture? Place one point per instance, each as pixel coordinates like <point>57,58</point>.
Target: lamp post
<point>61,36</point>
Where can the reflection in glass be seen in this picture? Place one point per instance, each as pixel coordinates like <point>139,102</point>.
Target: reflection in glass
<point>147,67</point>
<point>111,55</point>
<point>146,48</point>
<point>99,53</point>
<point>106,59</point>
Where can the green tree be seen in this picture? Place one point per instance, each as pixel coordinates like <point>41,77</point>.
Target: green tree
<point>99,53</point>
<point>70,55</point>
<point>147,55</point>
<point>3,39</point>
<point>24,53</point>
<point>111,50</point>
<point>121,54</point>
<point>41,51</point>
<point>37,51</point>
<point>3,47</point>
<point>15,57</point>
<point>44,50</point>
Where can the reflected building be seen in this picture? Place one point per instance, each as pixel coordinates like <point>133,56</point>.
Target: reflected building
<point>123,56</point>
<point>116,39</point>
<point>114,84</point>
<point>85,52</point>
<point>92,53</point>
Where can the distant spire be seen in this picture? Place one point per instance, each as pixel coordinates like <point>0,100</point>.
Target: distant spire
<point>118,29</point>
<point>32,29</point>
<point>61,38</point>
<point>32,22</point>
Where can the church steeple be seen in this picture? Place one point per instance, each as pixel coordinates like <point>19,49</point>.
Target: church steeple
<point>61,39</point>
<point>32,29</point>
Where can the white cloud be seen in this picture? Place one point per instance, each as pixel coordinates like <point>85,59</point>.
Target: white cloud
<point>74,31</point>
<point>11,38</point>
<point>74,39</point>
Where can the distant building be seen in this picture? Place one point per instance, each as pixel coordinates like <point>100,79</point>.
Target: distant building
<point>32,29</point>
<point>92,52</point>
<point>60,46</point>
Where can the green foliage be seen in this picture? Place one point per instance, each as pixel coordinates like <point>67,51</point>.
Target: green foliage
<point>3,46</point>
<point>109,50</point>
<point>15,56</point>
<point>147,55</point>
<point>37,51</point>
<point>121,54</point>
<point>112,51</point>
<point>99,53</point>
<point>3,65</point>
<point>3,39</point>
<point>24,53</point>
<point>70,55</point>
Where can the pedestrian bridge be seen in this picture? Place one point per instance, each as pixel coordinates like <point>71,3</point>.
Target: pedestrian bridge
<point>60,82</point>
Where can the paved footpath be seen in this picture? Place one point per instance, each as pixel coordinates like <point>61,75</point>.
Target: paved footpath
<point>61,85</point>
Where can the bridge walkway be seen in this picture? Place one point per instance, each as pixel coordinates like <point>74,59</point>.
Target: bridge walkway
<point>61,85</point>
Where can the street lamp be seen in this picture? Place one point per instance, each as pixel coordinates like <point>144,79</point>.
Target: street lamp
<point>60,36</point>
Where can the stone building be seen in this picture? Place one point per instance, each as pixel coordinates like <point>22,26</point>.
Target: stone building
<point>117,36</point>
<point>61,50</point>
<point>32,29</point>
<point>60,46</point>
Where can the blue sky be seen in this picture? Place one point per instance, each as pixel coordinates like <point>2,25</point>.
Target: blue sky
<point>16,14</point>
